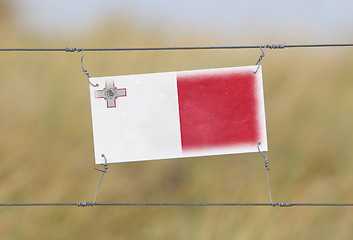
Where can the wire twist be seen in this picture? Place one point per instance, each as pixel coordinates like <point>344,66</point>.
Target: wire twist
<point>276,46</point>
<point>284,204</point>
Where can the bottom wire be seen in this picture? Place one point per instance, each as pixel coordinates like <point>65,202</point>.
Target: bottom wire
<point>84,204</point>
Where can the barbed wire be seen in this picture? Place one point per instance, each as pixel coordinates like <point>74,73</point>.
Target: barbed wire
<point>270,46</point>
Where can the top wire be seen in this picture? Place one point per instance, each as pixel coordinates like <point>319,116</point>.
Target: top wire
<point>272,46</point>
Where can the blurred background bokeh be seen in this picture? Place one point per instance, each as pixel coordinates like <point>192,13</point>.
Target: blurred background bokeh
<point>46,144</point>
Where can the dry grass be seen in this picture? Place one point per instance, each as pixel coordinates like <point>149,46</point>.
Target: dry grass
<point>46,147</point>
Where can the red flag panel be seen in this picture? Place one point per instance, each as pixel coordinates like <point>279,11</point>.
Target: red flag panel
<point>217,109</point>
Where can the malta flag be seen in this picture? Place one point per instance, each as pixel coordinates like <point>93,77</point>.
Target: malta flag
<point>178,114</point>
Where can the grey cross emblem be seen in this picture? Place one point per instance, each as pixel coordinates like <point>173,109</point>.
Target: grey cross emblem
<point>110,93</point>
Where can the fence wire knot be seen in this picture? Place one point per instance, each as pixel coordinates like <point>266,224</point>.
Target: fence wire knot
<point>283,204</point>
<point>263,48</point>
<point>68,49</point>
<point>84,204</point>
<point>276,46</point>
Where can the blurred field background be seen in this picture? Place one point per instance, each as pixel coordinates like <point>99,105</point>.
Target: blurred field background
<point>46,144</point>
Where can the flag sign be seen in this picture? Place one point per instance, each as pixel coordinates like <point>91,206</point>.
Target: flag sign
<point>178,114</point>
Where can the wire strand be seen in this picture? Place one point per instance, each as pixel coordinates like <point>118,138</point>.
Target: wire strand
<point>103,172</point>
<point>84,204</point>
<point>271,46</point>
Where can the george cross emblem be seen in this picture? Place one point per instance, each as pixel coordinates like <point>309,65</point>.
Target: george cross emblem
<point>110,93</point>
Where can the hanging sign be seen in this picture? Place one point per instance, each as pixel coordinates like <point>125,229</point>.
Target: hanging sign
<point>178,114</point>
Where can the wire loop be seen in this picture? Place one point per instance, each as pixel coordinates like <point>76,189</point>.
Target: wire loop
<point>83,69</point>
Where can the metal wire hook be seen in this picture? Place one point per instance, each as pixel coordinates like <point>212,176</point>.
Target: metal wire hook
<point>103,172</point>
<point>260,58</point>
<point>105,164</point>
<point>85,71</point>
<point>263,154</point>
